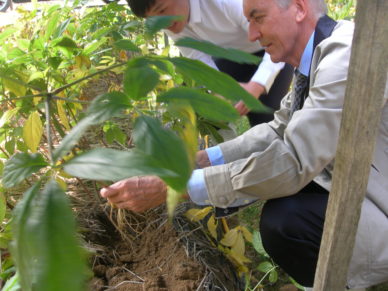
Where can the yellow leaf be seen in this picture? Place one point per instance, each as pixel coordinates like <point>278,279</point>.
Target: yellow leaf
<point>212,226</point>
<point>14,87</point>
<point>198,214</point>
<point>82,62</point>
<point>230,237</point>
<point>173,197</point>
<point>239,245</point>
<point>247,234</point>
<point>238,258</point>
<point>32,131</point>
<point>61,182</point>
<point>36,100</point>
<point>7,116</point>
<point>62,114</point>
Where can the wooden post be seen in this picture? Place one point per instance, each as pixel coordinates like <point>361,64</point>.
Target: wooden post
<point>367,81</point>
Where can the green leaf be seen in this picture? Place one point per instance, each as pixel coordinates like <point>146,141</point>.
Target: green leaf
<point>3,206</point>
<point>139,81</point>
<point>94,46</point>
<point>114,165</point>
<point>107,106</point>
<point>7,116</point>
<point>61,261</point>
<point>20,167</point>
<point>7,32</point>
<point>216,81</point>
<point>219,52</point>
<point>126,44</point>
<point>265,266</point>
<point>273,276</point>
<point>54,62</point>
<point>51,25</point>
<point>21,247</point>
<point>206,105</point>
<point>72,138</point>
<point>65,42</point>
<point>115,133</point>
<point>155,23</point>
<point>258,244</point>
<point>164,146</point>
<point>161,63</point>
<point>12,284</point>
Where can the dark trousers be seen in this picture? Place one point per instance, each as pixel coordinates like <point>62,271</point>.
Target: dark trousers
<point>291,229</point>
<point>244,73</point>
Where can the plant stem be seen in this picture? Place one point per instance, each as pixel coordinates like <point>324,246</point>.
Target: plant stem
<point>48,127</point>
<point>55,92</point>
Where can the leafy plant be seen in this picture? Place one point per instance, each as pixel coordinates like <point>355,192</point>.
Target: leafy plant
<point>42,75</point>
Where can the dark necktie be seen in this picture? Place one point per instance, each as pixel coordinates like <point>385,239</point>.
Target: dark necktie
<point>300,85</point>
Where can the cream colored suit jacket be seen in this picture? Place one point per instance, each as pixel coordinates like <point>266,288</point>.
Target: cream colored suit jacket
<point>279,158</point>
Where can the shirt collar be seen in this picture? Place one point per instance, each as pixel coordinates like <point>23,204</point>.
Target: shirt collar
<point>305,62</point>
<point>195,12</point>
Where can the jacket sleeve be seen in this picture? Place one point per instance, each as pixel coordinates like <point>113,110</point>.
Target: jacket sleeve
<point>279,158</point>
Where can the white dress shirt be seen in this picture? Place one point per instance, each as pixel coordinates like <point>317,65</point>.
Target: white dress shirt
<point>223,23</point>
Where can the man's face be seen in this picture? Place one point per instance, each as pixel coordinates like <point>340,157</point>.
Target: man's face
<point>172,8</point>
<point>273,26</point>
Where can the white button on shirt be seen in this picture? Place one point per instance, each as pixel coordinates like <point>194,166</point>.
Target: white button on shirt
<point>223,23</point>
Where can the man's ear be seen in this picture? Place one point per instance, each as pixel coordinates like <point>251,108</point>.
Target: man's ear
<point>301,9</point>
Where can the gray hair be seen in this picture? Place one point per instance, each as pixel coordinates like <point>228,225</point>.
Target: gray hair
<point>319,6</point>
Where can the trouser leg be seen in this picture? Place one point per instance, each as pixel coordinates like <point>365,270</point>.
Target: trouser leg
<point>291,229</point>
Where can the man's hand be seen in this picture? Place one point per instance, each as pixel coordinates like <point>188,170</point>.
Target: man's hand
<point>137,193</point>
<point>255,89</point>
<point>202,159</point>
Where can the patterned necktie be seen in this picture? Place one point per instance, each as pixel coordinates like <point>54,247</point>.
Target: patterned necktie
<point>300,85</point>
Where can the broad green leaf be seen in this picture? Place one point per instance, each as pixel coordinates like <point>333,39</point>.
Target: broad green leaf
<point>21,248</point>
<point>51,25</point>
<point>61,260</point>
<point>65,42</point>
<point>206,105</point>
<point>72,138</point>
<point>187,128</point>
<point>7,32</point>
<point>155,23</point>
<point>265,267</point>
<point>3,206</point>
<point>7,116</point>
<point>114,165</point>
<point>126,44</point>
<point>14,86</point>
<point>54,62</point>
<point>94,46</point>
<point>20,167</point>
<point>273,276</point>
<point>257,243</point>
<point>115,133</point>
<point>62,27</point>
<point>219,52</point>
<point>161,63</point>
<point>216,81</point>
<point>32,131</point>
<point>107,106</point>
<point>139,81</point>
<point>164,146</point>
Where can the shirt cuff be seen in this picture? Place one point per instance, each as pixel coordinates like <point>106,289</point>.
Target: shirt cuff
<point>196,188</point>
<point>215,156</point>
<point>267,72</point>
